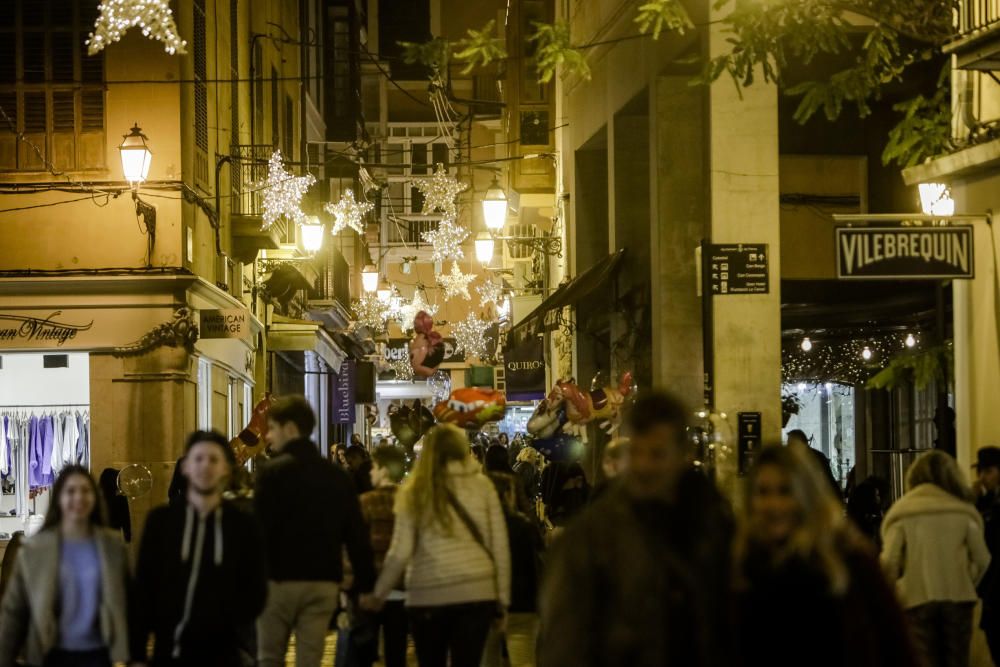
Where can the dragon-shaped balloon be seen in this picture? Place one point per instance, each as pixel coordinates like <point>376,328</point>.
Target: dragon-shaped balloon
<point>471,407</point>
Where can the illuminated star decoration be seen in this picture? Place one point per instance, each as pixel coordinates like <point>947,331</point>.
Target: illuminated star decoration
<point>348,213</point>
<point>490,292</point>
<point>470,335</point>
<point>372,313</point>
<point>153,17</point>
<point>402,368</point>
<point>456,282</point>
<point>446,241</point>
<point>283,192</point>
<point>409,310</point>
<point>440,191</point>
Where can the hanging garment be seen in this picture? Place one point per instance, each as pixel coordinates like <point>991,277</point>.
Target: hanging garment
<point>71,436</point>
<point>55,457</point>
<point>4,448</point>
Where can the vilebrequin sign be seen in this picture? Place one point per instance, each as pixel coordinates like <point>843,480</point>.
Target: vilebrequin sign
<point>905,253</point>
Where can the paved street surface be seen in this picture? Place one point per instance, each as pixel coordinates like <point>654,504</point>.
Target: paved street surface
<point>519,643</point>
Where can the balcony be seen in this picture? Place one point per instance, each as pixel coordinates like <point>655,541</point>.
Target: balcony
<point>977,46</point>
<point>249,165</point>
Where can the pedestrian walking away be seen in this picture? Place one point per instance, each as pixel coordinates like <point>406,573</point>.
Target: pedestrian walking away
<point>65,603</point>
<point>662,537</point>
<point>450,538</point>
<point>805,575</point>
<point>935,550</point>
<point>309,512</point>
<point>200,574</point>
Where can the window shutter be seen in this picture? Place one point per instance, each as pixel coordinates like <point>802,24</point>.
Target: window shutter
<point>62,57</point>
<point>8,139</point>
<point>200,74</point>
<point>33,57</point>
<point>34,130</point>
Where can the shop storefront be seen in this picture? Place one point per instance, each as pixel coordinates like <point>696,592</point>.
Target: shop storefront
<point>122,356</point>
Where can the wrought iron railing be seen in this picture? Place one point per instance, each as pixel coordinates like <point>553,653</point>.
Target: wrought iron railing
<point>249,168</point>
<point>976,15</point>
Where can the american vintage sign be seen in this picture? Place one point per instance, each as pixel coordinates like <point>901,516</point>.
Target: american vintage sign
<point>51,329</point>
<point>904,253</point>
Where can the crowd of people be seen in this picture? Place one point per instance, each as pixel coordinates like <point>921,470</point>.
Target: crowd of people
<point>470,546</point>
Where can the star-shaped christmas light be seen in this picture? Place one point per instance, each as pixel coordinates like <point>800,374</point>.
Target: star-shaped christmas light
<point>456,282</point>
<point>446,241</point>
<point>490,292</point>
<point>409,310</point>
<point>372,313</point>
<point>440,191</point>
<point>153,17</point>
<point>283,192</point>
<point>470,335</point>
<point>402,368</point>
<point>348,212</point>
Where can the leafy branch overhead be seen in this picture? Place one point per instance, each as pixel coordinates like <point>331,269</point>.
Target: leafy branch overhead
<point>554,50</point>
<point>658,15</point>
<point>935,364</point>
<point>480,48</point>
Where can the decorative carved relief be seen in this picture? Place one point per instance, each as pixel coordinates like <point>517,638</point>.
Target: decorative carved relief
<point>181,331</point>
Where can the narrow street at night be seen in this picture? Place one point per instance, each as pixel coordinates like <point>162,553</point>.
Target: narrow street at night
<point>499,333</point>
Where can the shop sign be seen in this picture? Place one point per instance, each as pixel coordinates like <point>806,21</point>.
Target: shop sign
<point>904,253</point>
<point>749,434</point>
<point>227,323</point>
<point>53,329</point>
<point>343,393</point>
<point>524,369</point>
<point>738,269</point>
<point>399,348</point>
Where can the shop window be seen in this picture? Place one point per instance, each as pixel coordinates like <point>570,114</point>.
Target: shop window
<point>826,415</point>
<point>204,394</point>
<point>50,89</point>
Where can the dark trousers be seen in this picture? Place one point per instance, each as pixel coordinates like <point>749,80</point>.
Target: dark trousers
<point>395,625</point>
<point>60,658</point>
<point>992,631</point>
<point>942,632</point>
<point>457,630</point>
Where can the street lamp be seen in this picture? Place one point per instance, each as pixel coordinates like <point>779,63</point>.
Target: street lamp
<point>484,248</point>
<point>135,155</point>
<point>384,292</point>
<point>369,278</point>
<point>495,206</point>
<point>935,199</point>
<point>312,234</point>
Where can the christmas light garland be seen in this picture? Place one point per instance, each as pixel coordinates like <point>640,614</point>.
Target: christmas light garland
<point>490,292</point>
<point>408,311</point>
<point>456,283</point>
<point>470,335</point>
<point>283,192</point>
<point>843,361</point>
<point>348,212</point>
<point>153,17</point>
<point>372,313</point>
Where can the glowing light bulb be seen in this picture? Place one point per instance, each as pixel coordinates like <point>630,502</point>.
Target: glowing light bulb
<point>866,353</point>
<point>806,344</point>
<point>910,340</point>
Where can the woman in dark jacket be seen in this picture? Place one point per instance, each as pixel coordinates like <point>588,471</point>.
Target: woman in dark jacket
<point>809,584</point>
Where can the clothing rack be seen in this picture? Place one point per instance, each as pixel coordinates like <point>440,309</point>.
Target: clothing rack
<point>48,405</point>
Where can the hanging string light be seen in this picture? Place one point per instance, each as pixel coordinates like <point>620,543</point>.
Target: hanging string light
<point>371,312</point>
<point>470,335</point>
<point>402,369</point>
<point>446,241</point>
<point>153,17</point>
<point>348,212</point>
<point>456,283</point>
<point>283,192</point>
<point>851,361</point>
<point>440,191</point>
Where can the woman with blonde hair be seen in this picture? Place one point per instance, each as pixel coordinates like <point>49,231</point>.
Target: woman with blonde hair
<point>935,551</point>
<point>798,552</point>
<point>450,538</point>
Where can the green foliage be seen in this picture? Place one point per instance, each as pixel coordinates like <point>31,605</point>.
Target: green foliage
<point>433,54</point>
<point>480,48</point>
<point>554,50</point>
<point>659,14</point>
<point>920,367</point>
<point>925,130</point>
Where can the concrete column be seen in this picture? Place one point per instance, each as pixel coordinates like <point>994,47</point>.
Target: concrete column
<point>678,218</point>
<point>743,176</point>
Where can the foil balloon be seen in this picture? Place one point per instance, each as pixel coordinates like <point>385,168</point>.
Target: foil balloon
<point>426,346</point>
<point>409,424</point>
<point>547,419</point>
<point>471,407</point>
<point>602,405</point>
<point>560,447</point>
<point>440,386</point>
<point>135,481</point>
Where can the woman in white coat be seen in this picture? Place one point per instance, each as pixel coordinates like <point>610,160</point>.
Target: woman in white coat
<point>935,551</point>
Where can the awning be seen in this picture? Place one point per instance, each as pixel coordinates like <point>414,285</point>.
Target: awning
<point>288,335</point>
<point>568,294</point>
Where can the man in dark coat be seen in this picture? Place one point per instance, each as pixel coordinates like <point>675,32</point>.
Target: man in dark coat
<point>199,580</point>
<point>642,576</point>
<point>987,487</point>
<point>309,512</point>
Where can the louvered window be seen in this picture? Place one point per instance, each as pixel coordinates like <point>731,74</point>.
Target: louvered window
<point>200,75</point>
<point>50,89</point>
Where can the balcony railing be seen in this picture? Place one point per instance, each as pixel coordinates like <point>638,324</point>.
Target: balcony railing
<point>976,15</point>
<point>249,167</point>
